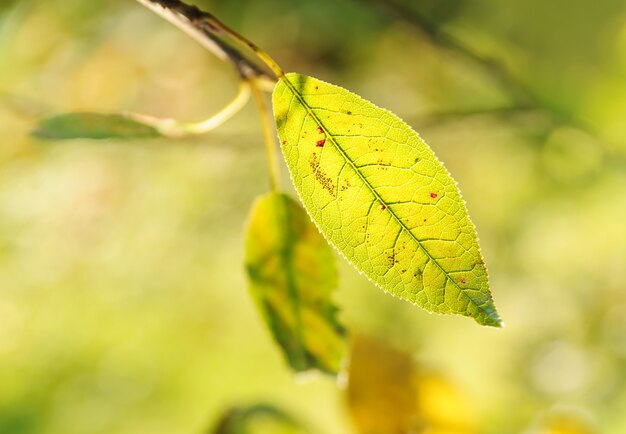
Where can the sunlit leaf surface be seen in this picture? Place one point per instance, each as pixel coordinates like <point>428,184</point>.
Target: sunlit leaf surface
<point>381,197</point>
<point>390,393</point>
<point>93,126</point>
<point>292,272</point>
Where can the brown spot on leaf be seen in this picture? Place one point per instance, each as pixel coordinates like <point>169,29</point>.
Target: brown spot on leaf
<point>392,259</point>
<point>320,143</point>
<point>382,206</point>
<point>320,130</point>
<point>321,176</point>
<point>463,281</point>
<point>284,142</point>
<point>345,184</point>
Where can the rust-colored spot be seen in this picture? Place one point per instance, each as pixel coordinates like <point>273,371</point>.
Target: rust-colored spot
<point>463,281</point>
<point>321,176</point>
<point>346,184</point>
<point>284,142</point>
<point>320,130</point>
<point>320,143</point>
<point>382,206</point>
<point>433,195</point>
<point>392,259</point>
<point>317,87</point>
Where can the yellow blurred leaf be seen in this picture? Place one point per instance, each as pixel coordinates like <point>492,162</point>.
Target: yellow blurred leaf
<point>566,421</point>
<point>390,393</point>
<point>445,408</point>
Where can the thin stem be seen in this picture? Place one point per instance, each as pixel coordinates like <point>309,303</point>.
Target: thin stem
<point>233,107</point>
<point>207,30</point>
<point>507,111</point>
<point>266,58</point>
<point>268,135</point>
<point>518,90</point>
<point>176,129</point>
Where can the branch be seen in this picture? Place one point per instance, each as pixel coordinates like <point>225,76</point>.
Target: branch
<point>517,89</point>
<point>250,61</point>
<point>507,112</point>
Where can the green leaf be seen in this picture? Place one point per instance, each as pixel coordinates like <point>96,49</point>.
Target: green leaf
<point>380,196</point>
<point>93,126</point>
<point>260,418</point>
<point>292,273</point>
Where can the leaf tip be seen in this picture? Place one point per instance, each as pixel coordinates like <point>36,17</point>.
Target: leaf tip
<point>491,318</point>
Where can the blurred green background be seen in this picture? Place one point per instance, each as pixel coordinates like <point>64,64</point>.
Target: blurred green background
<point>123,303</point>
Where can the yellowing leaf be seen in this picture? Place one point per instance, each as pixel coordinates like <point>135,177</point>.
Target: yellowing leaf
<point>381,396</point>
<point>445,408</point>
<point>390,393</point>
<point>380,196</point>
<point>292,272</point>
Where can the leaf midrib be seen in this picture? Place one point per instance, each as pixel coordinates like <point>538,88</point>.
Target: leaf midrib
<point>331,138</point>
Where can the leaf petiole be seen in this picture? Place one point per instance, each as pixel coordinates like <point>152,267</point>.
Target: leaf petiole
<point>176,129</point>
<point>262,55</point>
<point>267,123</point>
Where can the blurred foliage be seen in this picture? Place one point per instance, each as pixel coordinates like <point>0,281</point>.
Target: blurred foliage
<point>390,393</point>
<point>256,419</point>
<point>292,273</point>
<point>564,420</point>
<point>123,301</point>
